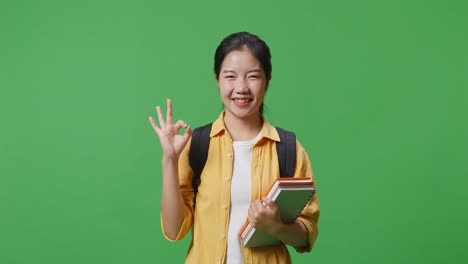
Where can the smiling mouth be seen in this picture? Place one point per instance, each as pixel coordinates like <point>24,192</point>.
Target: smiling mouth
<point>243,100</point>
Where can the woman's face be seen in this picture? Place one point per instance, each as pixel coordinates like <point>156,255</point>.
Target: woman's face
<point>242,84</point>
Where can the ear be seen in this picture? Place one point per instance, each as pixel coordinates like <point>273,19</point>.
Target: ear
<point>267,83</point>
<point>217,80</point>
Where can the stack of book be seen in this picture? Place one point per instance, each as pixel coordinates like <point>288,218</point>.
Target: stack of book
<point>290,196</point>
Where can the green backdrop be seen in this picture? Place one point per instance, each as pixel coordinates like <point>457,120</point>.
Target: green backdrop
<point>375,90</point>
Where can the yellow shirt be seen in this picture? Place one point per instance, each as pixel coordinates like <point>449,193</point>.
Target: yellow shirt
<point>210,218</point>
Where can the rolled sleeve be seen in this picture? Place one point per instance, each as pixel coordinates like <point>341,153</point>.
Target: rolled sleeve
<point>184,228</point>
<point>309,218</point>
<point>310,214</point>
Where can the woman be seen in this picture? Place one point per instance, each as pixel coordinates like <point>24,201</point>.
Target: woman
<point>240,167</point>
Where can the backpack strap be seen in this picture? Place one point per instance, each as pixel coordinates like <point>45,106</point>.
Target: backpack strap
<point>198,153</point>
<point>286,150</point>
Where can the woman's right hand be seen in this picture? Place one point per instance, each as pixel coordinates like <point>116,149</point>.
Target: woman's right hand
<point>171,142</point>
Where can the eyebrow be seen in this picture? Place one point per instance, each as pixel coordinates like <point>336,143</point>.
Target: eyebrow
<point>231,71</point>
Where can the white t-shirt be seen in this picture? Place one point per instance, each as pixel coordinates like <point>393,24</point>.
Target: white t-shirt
<point>240,196</point>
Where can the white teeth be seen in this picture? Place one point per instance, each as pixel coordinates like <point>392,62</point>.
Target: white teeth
<point>242,100</point>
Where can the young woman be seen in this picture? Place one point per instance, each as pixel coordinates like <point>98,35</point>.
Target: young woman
<point>242,163</point>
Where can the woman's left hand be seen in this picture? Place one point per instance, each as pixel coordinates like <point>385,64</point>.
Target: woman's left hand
<point>264,215</point>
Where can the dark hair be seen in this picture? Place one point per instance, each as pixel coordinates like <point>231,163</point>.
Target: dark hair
<point>238,41</point>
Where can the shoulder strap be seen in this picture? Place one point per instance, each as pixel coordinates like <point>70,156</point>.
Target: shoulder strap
<point>286,150</point>
<point>198,153</point>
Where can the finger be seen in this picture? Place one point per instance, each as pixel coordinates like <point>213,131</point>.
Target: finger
<point>252,214</point>
<point>169,111</point>
<point>258,205</point>
<point>267,202</point>
<point>179,124</point>
<point>265,205</point>
<point>188,133</point>
<point>251,210</point>
<point>160,117</point>
<point>153,124</point>
<point>256,208</point>
<point>252,221</point>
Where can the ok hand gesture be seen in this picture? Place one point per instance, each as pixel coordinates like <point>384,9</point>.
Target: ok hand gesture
<point>171,142</point>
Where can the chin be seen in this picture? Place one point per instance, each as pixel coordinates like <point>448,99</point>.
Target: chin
<point>244,113</point>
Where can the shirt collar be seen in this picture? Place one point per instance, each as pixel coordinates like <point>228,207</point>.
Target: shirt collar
<point>268,131</point>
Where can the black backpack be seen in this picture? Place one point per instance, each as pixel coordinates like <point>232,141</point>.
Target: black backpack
<point>200,142</point>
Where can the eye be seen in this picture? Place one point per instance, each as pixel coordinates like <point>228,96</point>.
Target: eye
<point>254,77</point>
<point>229,76</point>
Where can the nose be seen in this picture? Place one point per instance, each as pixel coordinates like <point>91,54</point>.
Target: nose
<point>242,86</point>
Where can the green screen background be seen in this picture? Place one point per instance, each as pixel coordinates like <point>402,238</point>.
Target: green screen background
<point>375,90</point>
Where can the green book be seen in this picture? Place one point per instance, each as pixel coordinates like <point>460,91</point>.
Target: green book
<point>291,196</point>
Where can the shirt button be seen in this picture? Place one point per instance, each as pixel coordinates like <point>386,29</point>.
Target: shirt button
<point>227,178</point>
<point>229,155</point>
<point>224,206</point>
<point>218,262</point>
<point>222,236</point>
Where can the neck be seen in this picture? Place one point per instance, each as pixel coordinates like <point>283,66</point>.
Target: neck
<point>241,129</point>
